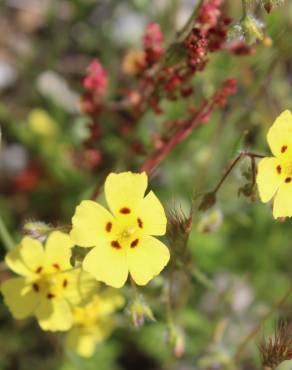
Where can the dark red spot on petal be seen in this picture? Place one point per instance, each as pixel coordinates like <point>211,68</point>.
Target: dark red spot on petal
<point>140,223</point>
<point>125,210</point>
<point>39,270</point>
<point>50,295</point>
<point>65,283</point>
<point>284,148</point>
<point>116,244</point>
<point>108,227</point>
<point>36,287</point>
<point>56,266</point>
<point>279,169</point>
<point>134,243</point>
<point>288,179</point>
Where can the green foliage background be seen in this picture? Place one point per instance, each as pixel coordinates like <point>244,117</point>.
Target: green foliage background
<point>248,256</point>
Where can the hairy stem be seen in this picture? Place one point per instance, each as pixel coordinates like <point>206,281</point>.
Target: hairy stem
<point>182,133</point>
<point>244,7</point>
<point>228,171</point>
<point>134,288</point>
<point>5,235</point>
<point>233,164</point>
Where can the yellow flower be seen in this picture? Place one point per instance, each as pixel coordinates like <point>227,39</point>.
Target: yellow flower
<point>42,124</point>
<point>122,239</point>
<point>133,61</point>
<point>48,285</point>
<point>93,323</point>
<point>274,177</point>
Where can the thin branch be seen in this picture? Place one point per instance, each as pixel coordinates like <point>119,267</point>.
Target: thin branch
<point>228,171</point>
<point>241,155</point>
<point>158,156</point>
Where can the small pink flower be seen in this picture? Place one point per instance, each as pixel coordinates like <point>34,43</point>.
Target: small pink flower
<point>153,43</point>
<point>209,13</point>
<point>96,80</point>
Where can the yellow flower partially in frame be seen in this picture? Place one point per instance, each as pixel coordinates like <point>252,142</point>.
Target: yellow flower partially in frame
<point>48,286</point>
<point>274,178</point>
<point>123,238</point>
<point>93,323</point>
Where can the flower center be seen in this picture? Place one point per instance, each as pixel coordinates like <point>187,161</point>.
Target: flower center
<point>50,284</point>
<point>289,168</point>
<point>285,169</point>
<point>128,232</point>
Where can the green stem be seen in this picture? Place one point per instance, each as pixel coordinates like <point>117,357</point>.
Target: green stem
<point>202,278</point>
<point>169,312</point>
<point>5,235</point>
<point>134,288</point>
<point>244,7</point>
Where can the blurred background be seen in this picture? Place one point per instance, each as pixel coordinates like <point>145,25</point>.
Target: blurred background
<point>45,48</point>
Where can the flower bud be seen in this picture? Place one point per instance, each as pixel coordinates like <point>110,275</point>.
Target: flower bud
<point>178,223</point>
<point>269,5</point>
<point>208,201</point>
<point>177,340</point>
<point>179,227</point>
<point>277,348</point>
<point>211,221</point>
<point>139,311</point>
<point>37,230</point>
<point>252,29</point>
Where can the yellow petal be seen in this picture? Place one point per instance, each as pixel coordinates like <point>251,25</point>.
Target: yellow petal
<point>280,135</point>
<point>58,250</point>
<point>90,224</point>
<point>54,314</point>
<point>80,286</point>
<point>107,264</point>
<point>283,201</point>
<point>107,302</point>
<point>15,262</point>
<point>81,342</point>
<point>125,190</point>
<point>103,328</point>
<point>147,259</point>
<point>269,178</point>
<point>27,257</point>
<point>21,300</point>
<point>152,215</point>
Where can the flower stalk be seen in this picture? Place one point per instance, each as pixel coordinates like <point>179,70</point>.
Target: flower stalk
<point>5,235</point>
<point>244,7</point>
<point>209,199</point>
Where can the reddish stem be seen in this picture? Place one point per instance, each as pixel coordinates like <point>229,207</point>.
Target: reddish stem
<point>159,155</point>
